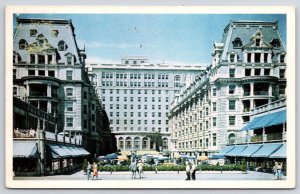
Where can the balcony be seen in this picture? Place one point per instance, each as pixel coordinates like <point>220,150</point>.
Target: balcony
<point>260,93</point>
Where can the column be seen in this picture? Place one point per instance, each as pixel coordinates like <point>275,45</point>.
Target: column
<point>251,89</point>
<point>148,144</point>
<point>36,58</point>
<point>269,57</point>
<point>49,106</point>
<point>53,59</point>
<point>270,90</point>
<point>48,90</point>
<point>264,135</point>
<point>251,104</point>
<point>252,57</point>
<point>27,90</point>
<point>141,143</point>
<point>262,57</point>
<point>46,59</point>
<point>245,57</point>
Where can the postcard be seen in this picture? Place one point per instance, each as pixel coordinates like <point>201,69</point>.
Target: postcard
<point>150,97</point>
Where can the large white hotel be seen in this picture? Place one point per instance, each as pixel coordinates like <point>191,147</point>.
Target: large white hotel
<point>137,95</point>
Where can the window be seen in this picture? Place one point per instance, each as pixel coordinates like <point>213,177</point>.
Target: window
<point>266,57</point>
<point>257,72</point>
<point>281,59</point>
<point>69,75</point>
<point>214,139</point>
<point>214,91</point>
<point>22,44</point>
<point>214,106</point>
<point>231,57</point>
<point>69,106</point>
<point>69,91</point>
<point>231,104</point>
<point>257,57</point>
<point>85,95</point>
<point>62,46</point>
<point>237,43</point>
<point>31,72</point>
<point>231,89</point>
<point>231,73</point>
<point>15,91</point>
<point>85,109</point>
<point>247,72</point>
<point>282,73</point>
<point>69,122</point>
<point>231,120</point>
<point>249,57</point>
<point>51,73</point>
<point>54,33</point>
<point>41,59</point>
<point>267,71</point>
<point>33,32</point>
<point>257,42</point>
<point>275,43</point>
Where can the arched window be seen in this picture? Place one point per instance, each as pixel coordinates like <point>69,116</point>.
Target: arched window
<point>128,143</point>
<point>145,143</point>
<point>237,43</point>
<point>275,43</point>
<point>165,144</point>
<point>22,44</point>
<point>231,138</point>
<point>136,143</point>
<point>62,45</point>
<point>40,38</point>
<point>121,143</point>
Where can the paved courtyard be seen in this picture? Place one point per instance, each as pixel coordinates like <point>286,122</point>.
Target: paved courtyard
<point>251,175</point>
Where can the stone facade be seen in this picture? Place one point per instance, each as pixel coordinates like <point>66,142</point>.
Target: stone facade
<point>247,71</point>
<point>137,95</point>
<point>49,73</point>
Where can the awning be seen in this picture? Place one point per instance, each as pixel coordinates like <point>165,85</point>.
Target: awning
<point>266,121</point>
<point>250,149</point>
<point>24,149</point>
<point>66,151</point>
<point>280,153</point>
<point>236,150</point>
<point>222,152</point>
<point>266,150</point>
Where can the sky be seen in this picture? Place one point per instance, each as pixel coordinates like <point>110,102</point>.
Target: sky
<point>169,38</point>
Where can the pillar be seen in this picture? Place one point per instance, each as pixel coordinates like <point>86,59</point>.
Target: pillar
<point>46,59</point>
<point>262,57</point>
<point>41,147</point>
<point>36,59</point>
<point>264,135</point>
<point>270,89</point>
<point>251,89</point>
<point>269,57</point>
<point>252,57</point>
<point>148,144</point>
<point>251,104</point>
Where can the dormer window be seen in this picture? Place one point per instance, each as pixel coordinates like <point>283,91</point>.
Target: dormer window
<point>33,32</point>
<point>54,33</point>
<point>257,42</point>
<point>62,46</point>
<point>275,43</point>
<point>22,44</point>
<point>134,62</point>
<point>237,43</point>
<point>126,62</point>
<point>40,39</point>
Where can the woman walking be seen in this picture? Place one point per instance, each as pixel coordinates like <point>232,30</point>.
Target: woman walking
<point>95,170</point>
<point>140,168</point>
<point>133,168</point>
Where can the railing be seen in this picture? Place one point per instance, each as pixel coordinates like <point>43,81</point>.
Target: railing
<point>246,109</point>
<point>261,92</point>
<point>256,138</point>
<point>271,106</point>
<point>274,136</point>
<point>24,133</point>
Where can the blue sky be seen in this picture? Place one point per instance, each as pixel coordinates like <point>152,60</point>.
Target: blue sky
<point>172,38</point>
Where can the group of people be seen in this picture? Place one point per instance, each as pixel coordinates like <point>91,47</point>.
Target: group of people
<point>277,169</point>
<point>28,133</point>
<point>136,166</point>
<point>92,170</point>
<point>190,168</point>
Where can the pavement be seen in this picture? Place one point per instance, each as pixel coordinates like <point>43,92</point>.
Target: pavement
<point>161,175</point>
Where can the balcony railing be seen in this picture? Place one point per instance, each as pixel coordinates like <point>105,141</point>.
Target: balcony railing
<point>246,109</point>
<point>24,133</point>
<point>261,92</point>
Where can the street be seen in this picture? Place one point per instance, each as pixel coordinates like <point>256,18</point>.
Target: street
<point>164,175</point>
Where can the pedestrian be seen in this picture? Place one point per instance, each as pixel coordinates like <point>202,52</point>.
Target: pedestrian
<point>193,171</point>
<point>156,164</point>
<point>140,168</point>
<point>95,170</point>
<point>133,168</point>
<point>88,170</point>
<point>188,171</point>
<point>279,171</point>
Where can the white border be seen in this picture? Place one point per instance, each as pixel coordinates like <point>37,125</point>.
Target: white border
<point>291,136</point>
